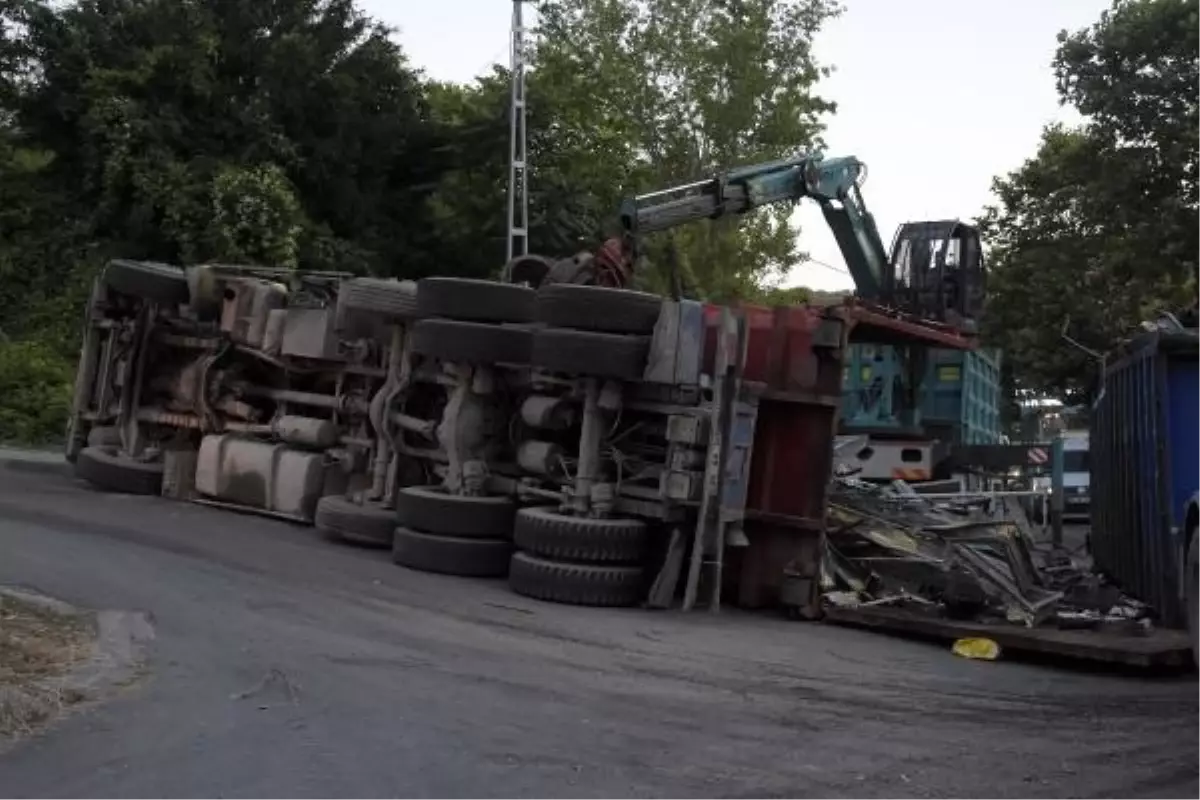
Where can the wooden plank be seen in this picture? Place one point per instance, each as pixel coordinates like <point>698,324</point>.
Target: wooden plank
<point>1160,648</point>
<point>662,593</point>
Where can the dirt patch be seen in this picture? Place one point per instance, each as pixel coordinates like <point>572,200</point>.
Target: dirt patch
<point>39,646</point>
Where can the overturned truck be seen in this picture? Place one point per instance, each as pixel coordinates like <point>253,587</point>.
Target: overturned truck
<point>599,445</point>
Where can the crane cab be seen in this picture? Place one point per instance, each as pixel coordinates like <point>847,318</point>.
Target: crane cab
<point>938,270</point>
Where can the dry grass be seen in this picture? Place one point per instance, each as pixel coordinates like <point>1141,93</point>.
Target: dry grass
<point>38,647</point>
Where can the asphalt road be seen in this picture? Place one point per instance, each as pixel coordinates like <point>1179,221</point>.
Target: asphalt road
<point>284,665</point>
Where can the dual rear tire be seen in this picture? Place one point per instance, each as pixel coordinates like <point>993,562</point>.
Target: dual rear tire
<point>473,322</point>
<point>429,530</point>
<point>594,331</point>
<point>451,534</point>
<point>563,328</point>
<point>576,560</point>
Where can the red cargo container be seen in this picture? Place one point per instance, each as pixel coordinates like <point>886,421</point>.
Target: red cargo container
<point>794,363</point>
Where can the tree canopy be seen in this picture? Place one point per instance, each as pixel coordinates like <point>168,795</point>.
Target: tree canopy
<point>295,133</point>
<point>627,96</point>
<point>1097,231</point>
<point>662,92</point>
<point>160,114</point>
<point>290,133</point>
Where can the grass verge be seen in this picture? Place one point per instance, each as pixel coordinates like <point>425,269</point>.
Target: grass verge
<point>38,648</point>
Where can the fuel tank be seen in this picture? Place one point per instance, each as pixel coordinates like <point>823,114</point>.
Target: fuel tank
<point>266,476</point>
<point>248,304</point>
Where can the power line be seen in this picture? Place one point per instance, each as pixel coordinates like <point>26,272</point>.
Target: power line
<point>826,265</point>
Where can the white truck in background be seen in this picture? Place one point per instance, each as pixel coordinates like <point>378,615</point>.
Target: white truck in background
<point>1076,480</point>
<point>1076,476</point>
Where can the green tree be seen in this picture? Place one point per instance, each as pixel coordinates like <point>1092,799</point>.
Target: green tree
<point>284,132</point>
<point>35,382</point>
<point>1052,263</point>
<point>570,203</point>
<point>152,108</point>
<point>255,216</point>
<point>1134,76</point>
<point>1097,231</point>
<point>658,92</point>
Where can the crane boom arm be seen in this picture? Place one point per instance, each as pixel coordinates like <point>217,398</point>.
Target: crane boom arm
<point>833,183</point>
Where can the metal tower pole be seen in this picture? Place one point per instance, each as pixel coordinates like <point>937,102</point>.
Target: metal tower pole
<point>518,182</point>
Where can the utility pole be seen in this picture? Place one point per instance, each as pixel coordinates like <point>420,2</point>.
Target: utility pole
<point>518,176</point>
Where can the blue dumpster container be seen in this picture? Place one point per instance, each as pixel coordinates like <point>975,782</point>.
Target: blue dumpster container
<point>1144,448</point>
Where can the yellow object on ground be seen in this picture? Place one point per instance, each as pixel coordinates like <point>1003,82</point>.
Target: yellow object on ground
<point>982,649</point>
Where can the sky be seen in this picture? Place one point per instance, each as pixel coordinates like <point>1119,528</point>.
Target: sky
<point>936,96</point>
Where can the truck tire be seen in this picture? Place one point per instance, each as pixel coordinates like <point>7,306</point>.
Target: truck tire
<point>159,283</point>
<point>391,300</point>
<point>451,555</point>
<point>597,308</point>
<point>575,584</point>
<point>472,342</point>
<point>601,355</point>
<point>105,468</point>
<point>358,523</point>
<point>1192,594</point>
<point>543,531</point>
<point>430,509</point>
<point>474,300</point>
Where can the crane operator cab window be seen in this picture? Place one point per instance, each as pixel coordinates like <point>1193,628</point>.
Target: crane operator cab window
<point>938,270</point>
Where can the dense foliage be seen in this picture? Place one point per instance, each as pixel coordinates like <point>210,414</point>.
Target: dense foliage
<point>634,95</point>
<point>667,91</point>
<point>291,133</point>
<point>1097,231</point>
<point>294,133</point>
<point>35,384</point>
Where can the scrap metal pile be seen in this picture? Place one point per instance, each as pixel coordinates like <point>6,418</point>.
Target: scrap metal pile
<point>970,558</point>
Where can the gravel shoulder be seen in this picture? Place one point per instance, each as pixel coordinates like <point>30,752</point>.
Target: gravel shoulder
<point>282,664</point>
<point>39,647</point>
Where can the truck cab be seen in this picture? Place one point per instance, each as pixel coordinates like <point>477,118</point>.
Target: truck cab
<point>1076,480</point>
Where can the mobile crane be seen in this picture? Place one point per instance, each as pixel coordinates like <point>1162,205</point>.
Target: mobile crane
<point>935,270</point>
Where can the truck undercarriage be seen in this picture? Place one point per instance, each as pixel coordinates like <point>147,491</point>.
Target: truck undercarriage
<point>453,419</point>
<point>575,436</point>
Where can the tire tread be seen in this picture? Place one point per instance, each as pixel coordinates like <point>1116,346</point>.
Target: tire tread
<point>602,355</point>
<point>597,308</point>
<point>366,524</point>
<point>575,584</point>
<point>474,300</point>
<point>451,555</point>
<point>427,509</point>
<point>543,532</point>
